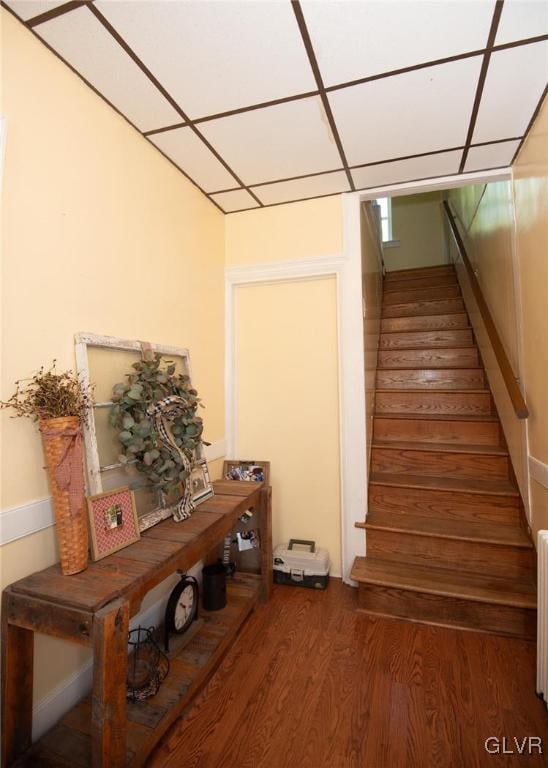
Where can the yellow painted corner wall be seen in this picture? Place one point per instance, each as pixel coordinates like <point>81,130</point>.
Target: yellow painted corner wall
<point>530,183</point>
<point>100,233</point>
<point>417,226</point>
<point>302,230</point>
<point>287,402</point>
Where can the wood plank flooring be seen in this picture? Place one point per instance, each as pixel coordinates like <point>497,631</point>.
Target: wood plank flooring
<point>311,683</point>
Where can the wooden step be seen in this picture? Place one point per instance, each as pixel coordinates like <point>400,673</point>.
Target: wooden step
<point>431,378</point>
<point>453,402</point>
<point>478,430</point>
<point>455,357</point>
<point>440,460</point>
<point>438,269</point>
<point>467,505</point>
<point>425,323</point>
<point>424,307</point>
<point>459,544</point>
<point>420,294</point>
<point>426,339</point>
<point>454,485</point>
<point>428,281</point>
<point>446,597</point>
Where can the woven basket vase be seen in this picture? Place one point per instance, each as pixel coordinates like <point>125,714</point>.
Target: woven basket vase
<point>58,440</point>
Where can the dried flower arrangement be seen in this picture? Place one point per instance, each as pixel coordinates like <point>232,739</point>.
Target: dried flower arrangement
<point>51,395</point>
<point>61,403</point>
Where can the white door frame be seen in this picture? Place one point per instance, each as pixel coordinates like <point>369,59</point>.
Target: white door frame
<point>346,267</point>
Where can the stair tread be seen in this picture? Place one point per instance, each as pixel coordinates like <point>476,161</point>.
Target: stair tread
<point>416,445</point>
<point>445,390</point>
<point>450,282</point>
<point>434,482</point>
<point>414,271</point>
<point>436,416</point>
<point>445,582</point>
<point>441,527</point>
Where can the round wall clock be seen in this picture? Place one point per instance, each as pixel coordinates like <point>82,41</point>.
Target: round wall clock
<point>182,607</point>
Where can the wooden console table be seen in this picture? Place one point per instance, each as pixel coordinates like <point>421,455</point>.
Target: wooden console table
<point>93,609</point>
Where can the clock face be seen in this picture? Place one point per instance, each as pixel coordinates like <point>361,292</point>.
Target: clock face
<point>184,609</point>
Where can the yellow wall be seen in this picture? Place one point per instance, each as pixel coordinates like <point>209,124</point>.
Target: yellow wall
<point>530,181</point>
<point>287,391</point>
<point>372,304</point>
<point>295,231</point>
<point>89,210</point>
<point>505,225</point>
<point>417,224</point>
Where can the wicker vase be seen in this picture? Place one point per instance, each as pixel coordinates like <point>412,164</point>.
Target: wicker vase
<point>62,442</point>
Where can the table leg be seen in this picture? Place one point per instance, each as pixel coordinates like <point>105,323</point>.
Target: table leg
<point>108,703</point>
<point>17,674</point>
<point>265,528</point>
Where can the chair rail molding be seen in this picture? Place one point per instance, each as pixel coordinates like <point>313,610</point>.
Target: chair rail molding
<point>34,516</point>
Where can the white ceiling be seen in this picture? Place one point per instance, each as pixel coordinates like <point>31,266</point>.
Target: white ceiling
<point>262,102</point>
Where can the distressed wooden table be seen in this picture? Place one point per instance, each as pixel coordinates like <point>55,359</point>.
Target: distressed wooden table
<point>93,609</point>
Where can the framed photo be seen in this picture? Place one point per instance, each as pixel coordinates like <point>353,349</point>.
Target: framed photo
<point>200,482</point>
<point>113,522</point>
<point>250,470</point>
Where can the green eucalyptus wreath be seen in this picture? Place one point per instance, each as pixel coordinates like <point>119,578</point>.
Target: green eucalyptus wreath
<point>151,382</point>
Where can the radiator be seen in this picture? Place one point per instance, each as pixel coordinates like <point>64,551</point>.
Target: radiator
<point>542,620</point>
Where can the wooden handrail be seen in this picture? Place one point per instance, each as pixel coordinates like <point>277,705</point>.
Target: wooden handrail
<point>514,392</point>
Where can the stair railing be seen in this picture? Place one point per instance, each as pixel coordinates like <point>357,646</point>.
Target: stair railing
<point>514,392</point>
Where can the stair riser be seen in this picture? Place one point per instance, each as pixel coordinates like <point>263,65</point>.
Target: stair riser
<point>421,294</point>
<point>418,308</point>
<point>426,339</point>
<point>439,464</point>
<point>410,283</point>
<point>425,323</point>
<point>431,378</point>
<point>471,557</point>
<point>477,432</point>
<point>441,269</point>
<point>450,611</point>
<point>481,508</point>
<point>450,403</point>
<point>429,358</point>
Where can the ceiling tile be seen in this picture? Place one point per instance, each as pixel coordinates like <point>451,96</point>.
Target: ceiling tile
<point>514,84</point>
<point>82,41</point>
<point>299,189</point>
<point>236,200</point>
<point>278,142</point>
<point>407,114</point>
<point>191,154</point>
<point>521,19</point>
<point>443,164</point>
<point>213,57</point>
<point>490,156</point>
<point>28,9</point>
<point>358,39</point>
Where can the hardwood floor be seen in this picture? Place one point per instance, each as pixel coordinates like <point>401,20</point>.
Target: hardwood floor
<point>311,683</point>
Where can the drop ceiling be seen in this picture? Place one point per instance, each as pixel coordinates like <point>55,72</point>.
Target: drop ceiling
<point>264,102</point>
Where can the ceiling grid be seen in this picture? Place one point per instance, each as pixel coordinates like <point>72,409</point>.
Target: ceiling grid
<point>265,103</point>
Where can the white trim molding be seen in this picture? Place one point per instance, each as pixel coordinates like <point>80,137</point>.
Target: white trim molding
<point>538,471</point>
<point>351,394</point>
<point>26,519</point>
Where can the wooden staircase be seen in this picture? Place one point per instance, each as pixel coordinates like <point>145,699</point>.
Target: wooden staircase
<point>446,543</point>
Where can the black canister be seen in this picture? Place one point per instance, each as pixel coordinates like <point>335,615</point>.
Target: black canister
<point>214,587</point>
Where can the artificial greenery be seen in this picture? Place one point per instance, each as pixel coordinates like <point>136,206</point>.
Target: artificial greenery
<point>51,395</point>
<point>153,380</point>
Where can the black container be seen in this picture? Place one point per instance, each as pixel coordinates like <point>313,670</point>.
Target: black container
<point>214,587</point>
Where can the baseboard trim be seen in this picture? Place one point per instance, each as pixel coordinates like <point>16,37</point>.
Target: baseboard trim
<point>26,519</point>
